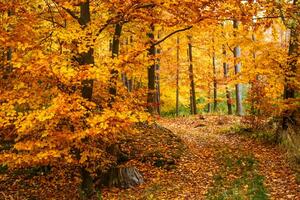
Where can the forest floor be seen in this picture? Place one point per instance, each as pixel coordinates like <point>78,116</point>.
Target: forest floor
<point>217,164</point>
<point>201,157</point>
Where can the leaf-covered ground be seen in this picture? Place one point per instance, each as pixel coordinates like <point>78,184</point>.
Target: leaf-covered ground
<point>204,158</point>
<point>217,164</point>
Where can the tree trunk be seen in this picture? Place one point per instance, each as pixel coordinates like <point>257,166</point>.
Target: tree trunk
<point>254,82</point>
<point>226,74</point>
<point>157,77</point>
<point>114,73</point>
<point>177,78</point>
<point>7,53</point>
<point>237,68</point>
<point>289,90</point>
<point>124,177</point>
<point>151,107</point>
<point>191,77</point>
<point>215,79</point>
<point>86,58</point>
<point>209,95</point>
<point>126,81</point>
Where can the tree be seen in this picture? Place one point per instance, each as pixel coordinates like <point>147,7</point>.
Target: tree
<point>54,112</point>
<point>115,52</point>
<point>215,84</point>
<point>151,100</point>
<point>191,77</point>
<point>177,74</point>
<point>293,53</point>
<point>226,74</point>
<point>237,68</point>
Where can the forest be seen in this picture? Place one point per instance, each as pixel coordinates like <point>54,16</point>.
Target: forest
<point>149,99</point>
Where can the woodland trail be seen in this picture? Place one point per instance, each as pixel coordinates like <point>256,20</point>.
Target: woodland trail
<point>210,140</point>
<point>217,163</point>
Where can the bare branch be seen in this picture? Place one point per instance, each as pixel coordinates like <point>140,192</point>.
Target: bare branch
<point>169,35</point>
<point>229,47</point>
<point>145,5</point>
<point>70,12</point>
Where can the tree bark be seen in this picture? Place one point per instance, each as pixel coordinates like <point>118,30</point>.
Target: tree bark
<point>177,77</point>
<point>86,58</point>
<point>215,78</point>
<point>191,77</point>
<point>209,96</point>
<point>7,53</point>
<point>254,82</point>
<point>237,68</point>
<point>127,82</point>
<point>124,177</point>
<point>157,77</point>
<point>226,74</point>
<point>289,89</point>
<point>151,107</point>
<point>115,48</point>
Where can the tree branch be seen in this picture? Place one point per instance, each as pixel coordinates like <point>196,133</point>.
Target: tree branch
<point>70,12</point>
<point>107,23</point>
<point>145,5</point>
<point>232,51</point>
<point>255,18</point>
<point>169,35</point>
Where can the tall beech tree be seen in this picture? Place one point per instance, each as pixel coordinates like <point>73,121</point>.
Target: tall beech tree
<point>215,84</point>
<point>293,67</point>
<point>177,74</point>
<point>115,52</point>
<point>226,75</point>
<point>237,69</point>
<point>151,100</point>
<point>226,72</point>
<point>191,77</point>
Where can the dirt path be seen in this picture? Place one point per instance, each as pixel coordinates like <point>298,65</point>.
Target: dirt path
<point>217,164</point>
<point>206,142</point>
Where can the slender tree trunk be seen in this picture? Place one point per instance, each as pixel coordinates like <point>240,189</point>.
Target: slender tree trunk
<point>110,46</point>
<point>131,80</point>
<point>126,82</point>
<point>255,82</point>
<point>86,58</point>
<point>177,77</point>
<point>215,79</point>
<point>209,96</point>
<point>151,74</point>
<point>191,77</point>
<point>289,89</point>
<point>157,74</point>
<point>237,67</point>
<point>7,53</point>
<point>226,75</point>
<point>114,73</point>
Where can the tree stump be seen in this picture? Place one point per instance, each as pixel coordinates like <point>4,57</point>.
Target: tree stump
<point>124,177</point>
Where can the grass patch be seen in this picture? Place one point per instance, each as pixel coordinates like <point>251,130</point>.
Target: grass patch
<point>170,113</point>
<point>264,135</point>
<point>238,178</point>
<point>3,169</point>
<point>152,191</point>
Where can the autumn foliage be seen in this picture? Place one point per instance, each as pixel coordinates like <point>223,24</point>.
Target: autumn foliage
<point>77,76</point>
